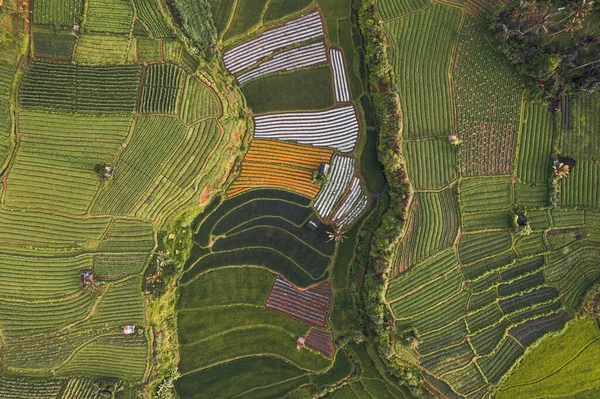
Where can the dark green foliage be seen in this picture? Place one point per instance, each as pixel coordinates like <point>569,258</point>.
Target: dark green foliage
<point>67,87</point>
<point>317,239</point>
<point>53,43</point>
<point>280,8</point>
<point>312,88</point>
<point>235,377</point>
<point>269,237</point>
<point>195,18</point>
<point>558,52</point>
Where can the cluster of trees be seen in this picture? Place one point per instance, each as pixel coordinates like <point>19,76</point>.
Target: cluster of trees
<point>554,43</point>
<point>195,18</point>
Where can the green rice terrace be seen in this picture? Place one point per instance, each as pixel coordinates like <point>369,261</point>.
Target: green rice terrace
<point>295,199</point>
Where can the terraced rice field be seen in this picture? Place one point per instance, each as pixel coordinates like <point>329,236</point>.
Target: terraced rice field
<point>66,124</point>
<point>474,291</point>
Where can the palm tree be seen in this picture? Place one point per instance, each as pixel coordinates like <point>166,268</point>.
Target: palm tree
<point>561,170</point>
<point>337,235</point>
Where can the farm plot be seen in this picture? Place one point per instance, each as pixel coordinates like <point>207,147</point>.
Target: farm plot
<point>487,93</point>
<point>197,102</point>
<point>134,171</point>
<point>262,228</point>
<point>336,128</point>
<point>432,226</point>
<point>431,164</point>
<point>309,306</point>
<point>100,49</point>
<point>559,365</point>
<point>249,330</point>
<point>72,162</point>
<point>274,164</point>
<point>536,145</point>
<point>582,186</point>
<point>19,387</point>
<point>64,87</point>
<point>425,39</point>
<point>162,88</point>
<point>151,16</point>
<point>51,43</point>
<point>296,31</point>
<point>320,341</point>
<point>296,58</point>
<point>58,12</point>
<point>340,176</point>
<point>340,80</point>
<point>352,206</point>
<point>109,16</point>
<point>485,194</point>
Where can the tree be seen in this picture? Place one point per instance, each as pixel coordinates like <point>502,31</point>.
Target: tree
<point>337,235</point>
<point>561,170</point>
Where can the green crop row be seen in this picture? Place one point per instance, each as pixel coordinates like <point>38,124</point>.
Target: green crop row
<point>162,88</point>
<point>580,187</point>
<point>422,42</point>
<point>120,305</point>
<point>58,12</point>
<point>100,49</point>
<point>109,16</point>
<point>535,149</point>
<point>74,127</point>
<point>151,15</point>
<point>432,227</point>
<point>109,358</point>
<point>57,175</point>
<point>197,102</point>
<point>26,318</point>
<point>16,273</point>
<point>25,231</point>
<point>251,341</point>
<point>431,164</point>
<point>485,194</point>
<point>473,247</point>
<point>392,9</point>
<point>18,387</point>
<point>154,140</point>
<point>244,375</point>
<point>69,87</point>
<point>422,273</point>
<point>45,352</point>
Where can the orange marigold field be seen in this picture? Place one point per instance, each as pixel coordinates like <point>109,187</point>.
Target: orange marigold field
<point>275,164</point>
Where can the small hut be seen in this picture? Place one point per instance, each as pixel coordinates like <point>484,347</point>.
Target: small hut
<point>128,330</point>
<point>323,168</point>
<point>86,278</point>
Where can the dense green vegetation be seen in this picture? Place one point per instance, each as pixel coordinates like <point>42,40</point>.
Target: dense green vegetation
<point>554,44</point>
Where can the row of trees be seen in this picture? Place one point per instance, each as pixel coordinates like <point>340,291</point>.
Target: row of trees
<point>554,43</point>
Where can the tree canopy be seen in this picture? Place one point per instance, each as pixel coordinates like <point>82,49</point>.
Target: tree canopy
<point>554,43</point>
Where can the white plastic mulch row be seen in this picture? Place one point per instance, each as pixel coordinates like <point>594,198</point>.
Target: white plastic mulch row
<point>357,209</point>
<point>340,81</point>
<point>311,54</point>
<point>340,174</point>
<point>346,205</point>
<point>336,128</point>
<point>295,31</point>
